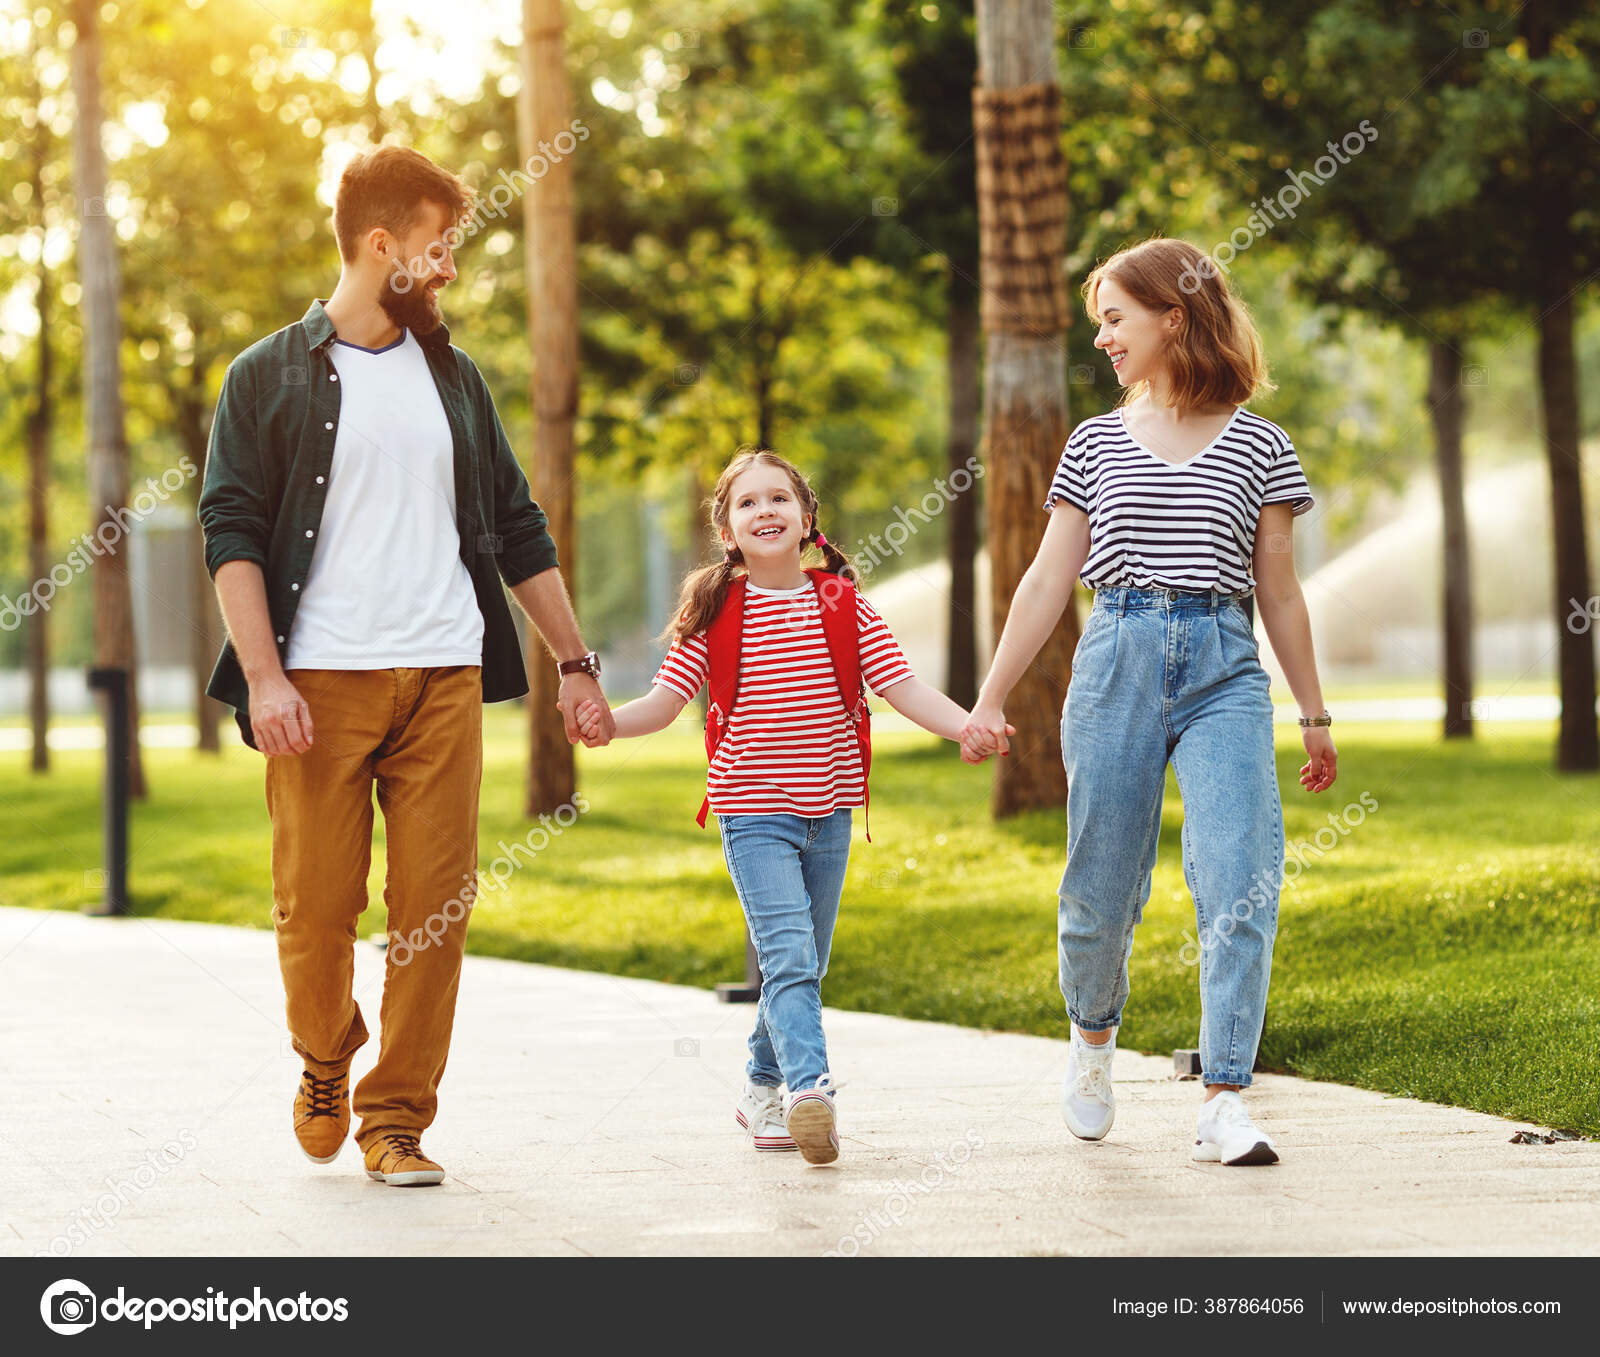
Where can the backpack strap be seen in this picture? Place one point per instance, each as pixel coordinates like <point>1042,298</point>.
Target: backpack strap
<point>836,598</point>
<point>723,637</point>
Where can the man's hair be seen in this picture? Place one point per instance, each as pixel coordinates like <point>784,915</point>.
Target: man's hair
<point>387,187</point>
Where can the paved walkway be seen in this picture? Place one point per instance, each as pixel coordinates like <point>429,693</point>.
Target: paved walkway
<point>588,1114</point>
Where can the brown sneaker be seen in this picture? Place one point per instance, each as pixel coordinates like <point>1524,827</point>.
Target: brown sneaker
<point>396,1158</point>
<point>322,1115</point>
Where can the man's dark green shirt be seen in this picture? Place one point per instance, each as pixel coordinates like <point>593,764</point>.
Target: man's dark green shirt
<point>267,470</point>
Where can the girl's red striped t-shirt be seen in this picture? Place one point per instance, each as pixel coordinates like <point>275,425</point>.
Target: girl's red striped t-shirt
<point>790,746</point>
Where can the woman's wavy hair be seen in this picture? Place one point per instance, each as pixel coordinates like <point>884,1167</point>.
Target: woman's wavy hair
<point>1215,357</point>
<point>705,590</point>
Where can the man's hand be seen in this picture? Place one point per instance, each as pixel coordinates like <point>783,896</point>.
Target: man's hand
<point>577,689</point>
<point>280,720</point>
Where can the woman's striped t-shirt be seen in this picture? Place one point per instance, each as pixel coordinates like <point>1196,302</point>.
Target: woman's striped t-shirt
<point>790,745</point>
<point>1189,525</point>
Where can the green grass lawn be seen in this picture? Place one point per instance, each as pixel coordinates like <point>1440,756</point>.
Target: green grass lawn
<point>1446,948</point>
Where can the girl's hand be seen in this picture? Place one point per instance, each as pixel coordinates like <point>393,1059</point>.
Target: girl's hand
<point>1319,773</point>
<point>970,753</point>
<point>588,719</point>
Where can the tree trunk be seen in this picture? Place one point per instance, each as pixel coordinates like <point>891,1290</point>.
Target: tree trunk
<point>38,634</point>
<point>698,539</point>
<point>41,420</point>
<point>551,262</point>
<point>367,40</point>
<point>1577,741</point>
<point>205,637</point>
<point>1022,207</point>
<point>1444,399</point>
<point>764,360</point>
<point>102,335</point>
<point>205,620</point>
<point>1577,747</point>
<point>700,547</point>
<point>961,336</point>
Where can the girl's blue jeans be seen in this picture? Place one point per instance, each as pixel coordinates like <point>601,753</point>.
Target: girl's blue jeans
<point>1171,676</point>
<point>789,872</point>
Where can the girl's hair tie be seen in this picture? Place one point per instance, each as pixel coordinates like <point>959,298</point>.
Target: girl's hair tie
<point>821,540</point>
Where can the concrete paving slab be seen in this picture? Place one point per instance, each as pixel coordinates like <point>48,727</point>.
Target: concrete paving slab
<point>150,1082</point>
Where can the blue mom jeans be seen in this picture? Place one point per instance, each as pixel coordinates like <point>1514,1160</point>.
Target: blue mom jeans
<point>1159,676</point>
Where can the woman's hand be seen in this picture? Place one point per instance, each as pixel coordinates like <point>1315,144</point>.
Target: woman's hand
<point>985,733</point>
<point>1319,773</point>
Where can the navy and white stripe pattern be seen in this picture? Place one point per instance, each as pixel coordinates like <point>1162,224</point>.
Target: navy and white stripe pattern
<point>1185,525</point>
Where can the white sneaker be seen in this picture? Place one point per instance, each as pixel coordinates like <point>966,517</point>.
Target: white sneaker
<point>1088,1103</point>
<point>760,1112</point>
<point>1226,1135</point>
<point>813,1121</point>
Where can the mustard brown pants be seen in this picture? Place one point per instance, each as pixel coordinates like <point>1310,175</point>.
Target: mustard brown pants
<point>416,735</point>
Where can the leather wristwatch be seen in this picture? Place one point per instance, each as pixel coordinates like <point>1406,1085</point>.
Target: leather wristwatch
<point>585,664</point>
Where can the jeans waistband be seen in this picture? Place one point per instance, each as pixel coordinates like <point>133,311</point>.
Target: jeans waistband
<point>1124,597</point>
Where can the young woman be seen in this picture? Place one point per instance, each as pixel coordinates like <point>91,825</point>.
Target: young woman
<point>1173,508</point>
<point>789,765</point>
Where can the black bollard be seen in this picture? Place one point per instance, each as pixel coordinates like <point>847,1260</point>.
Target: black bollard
<point>114,684</point>
<point>750,990</point>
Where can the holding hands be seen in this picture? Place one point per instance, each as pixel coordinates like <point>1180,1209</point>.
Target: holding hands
<point>588,714</point>
<point>594,724</point>
<point>985,733</point>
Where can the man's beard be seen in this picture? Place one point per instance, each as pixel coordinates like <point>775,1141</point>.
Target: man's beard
<point>409,310</point>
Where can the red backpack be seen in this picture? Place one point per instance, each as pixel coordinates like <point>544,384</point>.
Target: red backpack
<point>836,597</point>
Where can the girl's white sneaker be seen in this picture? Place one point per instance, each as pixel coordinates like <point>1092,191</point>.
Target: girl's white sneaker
<point>760,1112</point>
<point>813,1122</point>
<point>1226,1135</point>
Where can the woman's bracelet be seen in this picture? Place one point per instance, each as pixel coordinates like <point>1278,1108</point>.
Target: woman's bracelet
<point>1323,720</point>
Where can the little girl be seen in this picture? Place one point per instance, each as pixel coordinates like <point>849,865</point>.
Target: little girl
<point>787,764</point>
